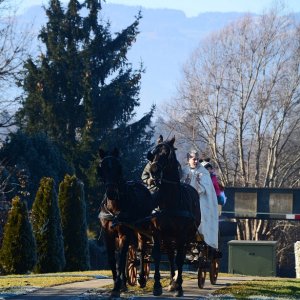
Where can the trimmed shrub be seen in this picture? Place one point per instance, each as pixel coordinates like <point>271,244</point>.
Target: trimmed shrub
<point>18,251</point>
<point>47,230</point>
<point>74,225</point>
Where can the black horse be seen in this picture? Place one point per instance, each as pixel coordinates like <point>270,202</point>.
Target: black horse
<point>176,225</point>
<point>124,204</point>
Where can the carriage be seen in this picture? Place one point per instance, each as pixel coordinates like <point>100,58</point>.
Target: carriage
<point>199,257</point>
<point>172,228</point>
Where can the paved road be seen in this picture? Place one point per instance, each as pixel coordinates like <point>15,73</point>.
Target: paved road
<point>93,289</point>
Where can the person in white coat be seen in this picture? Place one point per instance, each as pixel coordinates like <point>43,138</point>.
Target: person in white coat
<point>198,176</point>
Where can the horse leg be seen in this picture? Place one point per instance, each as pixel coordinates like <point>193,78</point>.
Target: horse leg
<point>157,288</point>
<point>171,256</point>
<point>142,274</point>
<point>123,246</point>
<point>111,249</point>
<point>179,262</point>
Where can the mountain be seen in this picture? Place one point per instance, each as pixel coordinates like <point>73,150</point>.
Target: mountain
<point>166,40</point>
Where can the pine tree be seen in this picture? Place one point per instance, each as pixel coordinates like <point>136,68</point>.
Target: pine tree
<point>130,140</point>
<point>18,251</point>
<point>46,223</point>
<point>83,86</point>
<point>83,91</point>
<point>73,214</point>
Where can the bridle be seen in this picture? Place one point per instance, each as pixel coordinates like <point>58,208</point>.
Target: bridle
<point>109,158</point>
<point>113,184</point>
<point>159,179</point>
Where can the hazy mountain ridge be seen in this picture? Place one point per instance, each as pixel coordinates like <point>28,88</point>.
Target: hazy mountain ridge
<point>167,38</point>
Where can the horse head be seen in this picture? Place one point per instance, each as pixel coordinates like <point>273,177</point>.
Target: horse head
<point>164,164</point>
<point>110,172</point>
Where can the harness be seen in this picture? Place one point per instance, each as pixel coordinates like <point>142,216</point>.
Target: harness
<point>185,212</point>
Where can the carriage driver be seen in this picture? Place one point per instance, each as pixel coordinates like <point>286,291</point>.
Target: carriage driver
<point>198,176</point>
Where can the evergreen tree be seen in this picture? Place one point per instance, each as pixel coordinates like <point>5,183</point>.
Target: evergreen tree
<point>73,214</point>
<point>83,86</point>
<point>82,91</point>
<point>18,251</point>
<point>130,140</point>
<point>47,229</point>
<point>31,157</point>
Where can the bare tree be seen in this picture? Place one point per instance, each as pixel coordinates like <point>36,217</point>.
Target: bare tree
<point>239,97</point>
<point>14,49</point>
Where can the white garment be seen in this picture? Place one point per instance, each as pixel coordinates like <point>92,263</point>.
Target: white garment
<point>200,179</point>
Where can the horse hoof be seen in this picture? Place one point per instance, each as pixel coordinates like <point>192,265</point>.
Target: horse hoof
<point>142,285</point>
<point>115,294</point>
<point>178,293</point>
<point>157,291</point>
<point>172,286</point>
<point>142,282</point>
<point>124,288</point>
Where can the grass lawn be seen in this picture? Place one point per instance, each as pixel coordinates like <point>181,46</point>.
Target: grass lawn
<point>277,287</point>
<point>12,284</point>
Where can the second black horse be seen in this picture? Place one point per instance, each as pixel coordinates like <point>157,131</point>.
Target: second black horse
<point>124,207</point>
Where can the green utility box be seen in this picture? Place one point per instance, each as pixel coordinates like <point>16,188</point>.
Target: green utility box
<point>257,258</point>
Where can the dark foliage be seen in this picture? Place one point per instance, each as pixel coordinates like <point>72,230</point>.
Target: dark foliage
<point>31,157</point>
<point>72,206</point>
<point>18,251</point>
<point>47,230</point>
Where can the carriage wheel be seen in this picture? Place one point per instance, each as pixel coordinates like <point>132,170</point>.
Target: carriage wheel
<point>214,270</point>
<point>201,276</point>
<point>131,269</point>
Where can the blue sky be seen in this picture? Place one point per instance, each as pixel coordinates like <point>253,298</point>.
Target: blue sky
<point>194,7</point>
<point>157,74</point>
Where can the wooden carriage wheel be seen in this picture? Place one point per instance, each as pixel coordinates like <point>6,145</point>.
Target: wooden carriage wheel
<point>214,270</point>
<point>131,268</point>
